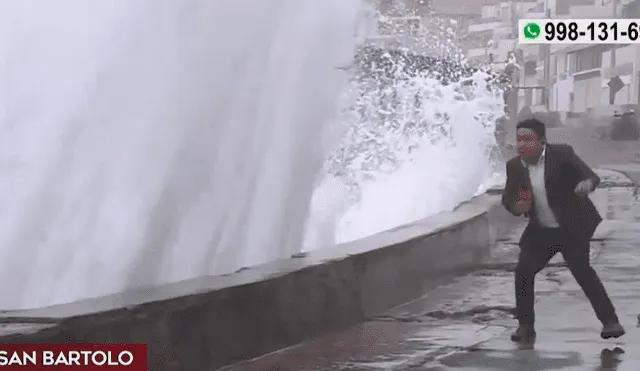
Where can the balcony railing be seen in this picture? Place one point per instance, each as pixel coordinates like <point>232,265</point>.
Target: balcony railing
<point>480,27</point>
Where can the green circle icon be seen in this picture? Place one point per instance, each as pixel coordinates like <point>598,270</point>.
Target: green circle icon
<point>531,31</point>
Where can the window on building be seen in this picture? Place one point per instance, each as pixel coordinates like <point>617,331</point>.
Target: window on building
<point>530,68</point>
<point>585,59</point>
<point>519,55</point>
<point>478,39</point>
<point>631,10</point>
<point>400,25</point>
<point>539,8</point>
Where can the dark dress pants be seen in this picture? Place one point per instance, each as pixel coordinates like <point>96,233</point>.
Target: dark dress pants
<point>534,256</point>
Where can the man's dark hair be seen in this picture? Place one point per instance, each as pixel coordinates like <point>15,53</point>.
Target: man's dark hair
<point>534,124</point>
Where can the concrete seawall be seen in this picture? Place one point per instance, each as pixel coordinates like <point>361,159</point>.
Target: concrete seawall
<point>210,322</point>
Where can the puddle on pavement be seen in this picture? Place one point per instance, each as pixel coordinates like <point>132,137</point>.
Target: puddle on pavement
<point>431,334</point>
<point>505,356</point>
<point>511,360</point>
<point>617,203</point>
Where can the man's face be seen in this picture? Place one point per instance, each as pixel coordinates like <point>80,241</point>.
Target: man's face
<point>529,145</point>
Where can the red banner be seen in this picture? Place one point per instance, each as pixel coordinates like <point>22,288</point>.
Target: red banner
<point>37,357</point>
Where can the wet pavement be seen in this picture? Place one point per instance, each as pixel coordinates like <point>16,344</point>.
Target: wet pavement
<point>465,324</point>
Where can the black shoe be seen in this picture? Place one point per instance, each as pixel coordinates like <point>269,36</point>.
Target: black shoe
<point>612,330</point>
<point>524,333</point>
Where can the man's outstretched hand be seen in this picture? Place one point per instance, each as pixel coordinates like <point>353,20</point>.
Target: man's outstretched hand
<point>584,187</point>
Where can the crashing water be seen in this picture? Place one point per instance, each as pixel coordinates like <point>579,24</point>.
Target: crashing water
<point>415,146</point>
<point>154,141</point>
<point>157,140</point>
<point>432,170</point>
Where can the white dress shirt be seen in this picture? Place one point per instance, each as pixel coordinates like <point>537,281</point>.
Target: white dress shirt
<point>546,216</point>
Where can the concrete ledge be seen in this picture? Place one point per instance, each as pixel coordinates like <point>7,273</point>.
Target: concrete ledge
<point>630,171</point>
<point>210,322</point>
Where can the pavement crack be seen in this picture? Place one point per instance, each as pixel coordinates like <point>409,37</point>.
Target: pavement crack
<point>442,314</point>
<point>511,266</point>
<point>480,309</point>
<point>396,318</point>
<point>418,361</point>
<point>553,277</point>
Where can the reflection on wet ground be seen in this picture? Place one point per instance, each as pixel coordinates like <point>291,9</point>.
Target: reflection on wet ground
<point>465,325</point>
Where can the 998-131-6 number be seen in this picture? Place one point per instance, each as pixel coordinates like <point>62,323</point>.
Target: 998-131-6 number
<point>602,31</point>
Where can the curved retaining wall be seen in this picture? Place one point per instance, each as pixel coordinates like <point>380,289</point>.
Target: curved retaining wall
<point>209,322</point>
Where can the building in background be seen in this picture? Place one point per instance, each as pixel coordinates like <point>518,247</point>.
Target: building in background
<point>493,37</point>
<point>587,77</point>
<point>569,79</point>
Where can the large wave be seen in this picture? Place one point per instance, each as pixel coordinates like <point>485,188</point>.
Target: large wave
<point>416,141</point>
<point>150,141</point>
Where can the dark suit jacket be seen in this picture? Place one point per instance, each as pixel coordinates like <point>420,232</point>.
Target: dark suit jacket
<point>563,171</point>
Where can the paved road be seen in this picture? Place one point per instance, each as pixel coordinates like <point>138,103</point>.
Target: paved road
<point>464,326</point>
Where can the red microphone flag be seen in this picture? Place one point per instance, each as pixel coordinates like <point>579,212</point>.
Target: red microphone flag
<point>523,195</point>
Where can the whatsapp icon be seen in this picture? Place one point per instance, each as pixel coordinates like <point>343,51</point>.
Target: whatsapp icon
<point>531,31</point>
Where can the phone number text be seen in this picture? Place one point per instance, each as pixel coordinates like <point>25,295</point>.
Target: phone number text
<point>584,31</point>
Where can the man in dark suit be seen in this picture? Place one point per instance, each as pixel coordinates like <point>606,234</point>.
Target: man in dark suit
<point>549,184</point>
